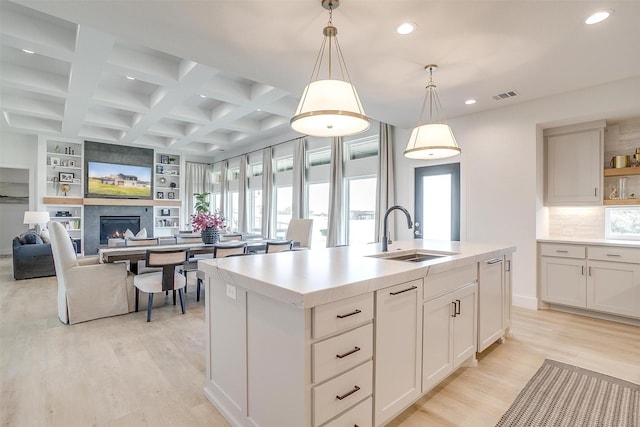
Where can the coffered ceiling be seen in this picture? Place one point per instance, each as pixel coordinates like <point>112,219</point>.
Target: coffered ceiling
<point>213,76</point>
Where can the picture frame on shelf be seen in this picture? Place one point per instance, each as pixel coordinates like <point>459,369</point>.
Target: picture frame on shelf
<point>66,176</point>
<point>160,195</point>
<point>171,195</point>
<point>55,161</point>
<point>165,212</point>
<point>159,169</point>
<point>164,159</point>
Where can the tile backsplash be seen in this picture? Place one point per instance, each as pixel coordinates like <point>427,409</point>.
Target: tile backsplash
<point>577,222</point>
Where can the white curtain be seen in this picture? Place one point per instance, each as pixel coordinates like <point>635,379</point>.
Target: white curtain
<point>336,231</point>
<point>386,179</point>
<point>198,179</point>
<point>224,191</point>
<point>267,192</point>
<point>243,190</point>
<point>299,175</point>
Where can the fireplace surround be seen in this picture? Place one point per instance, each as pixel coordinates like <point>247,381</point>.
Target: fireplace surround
<point>92,214</point>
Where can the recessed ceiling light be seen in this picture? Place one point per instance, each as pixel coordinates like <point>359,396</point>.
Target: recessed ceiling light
<point>27,51</point>
<point>470,101</point>
<point>598,17</point>
<point>406,28</point>
<point>130,78</point>
<point>203,96</point>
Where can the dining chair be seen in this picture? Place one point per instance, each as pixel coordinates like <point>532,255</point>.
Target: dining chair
<point>299,230</point>
<point>221,251</point>
<point>141,267</point>
<point>228,237</point>
<point>278,246</point>
<point>162,281</point>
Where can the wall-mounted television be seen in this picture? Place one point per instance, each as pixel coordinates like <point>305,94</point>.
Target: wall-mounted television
<point>119,181</point>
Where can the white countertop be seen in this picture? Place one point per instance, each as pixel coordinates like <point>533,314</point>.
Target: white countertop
<point>309,278</point>
<point>589,241</point>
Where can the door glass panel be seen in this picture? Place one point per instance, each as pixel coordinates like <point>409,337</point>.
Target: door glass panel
<point>436,207</point>
<point>362,208</point>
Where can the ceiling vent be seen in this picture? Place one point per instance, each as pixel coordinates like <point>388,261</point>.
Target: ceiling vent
<point>505,95</point>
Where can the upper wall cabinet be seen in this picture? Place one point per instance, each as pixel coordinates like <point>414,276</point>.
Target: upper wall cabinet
<point>573,164</point>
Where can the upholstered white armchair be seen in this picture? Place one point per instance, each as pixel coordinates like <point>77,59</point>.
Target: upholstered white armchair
<point>299,230</point>
<point>87,290</point>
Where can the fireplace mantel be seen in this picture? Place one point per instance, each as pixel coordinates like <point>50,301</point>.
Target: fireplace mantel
<point>107,202</point>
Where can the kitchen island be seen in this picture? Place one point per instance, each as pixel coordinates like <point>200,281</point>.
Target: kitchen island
<point>347,336</point>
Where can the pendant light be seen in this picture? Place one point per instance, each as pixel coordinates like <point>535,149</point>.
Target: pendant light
<point>433,140</point>
<point>330,107</point>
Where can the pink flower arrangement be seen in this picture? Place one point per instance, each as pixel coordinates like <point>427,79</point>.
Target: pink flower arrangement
<point>202,220</point>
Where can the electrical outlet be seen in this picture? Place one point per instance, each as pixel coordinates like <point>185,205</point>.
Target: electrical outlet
<point>231,291</point>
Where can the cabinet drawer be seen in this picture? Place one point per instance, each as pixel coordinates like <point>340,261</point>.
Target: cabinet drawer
<point>564,251</point>
<point>339,315</point>
<point>339,394</point>
<point>360,415</point>
<point>441,283</point>
<point>614,253</point>
<point>342,352</point>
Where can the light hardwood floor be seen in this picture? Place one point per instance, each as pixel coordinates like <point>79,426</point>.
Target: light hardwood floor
<point>122,371</point>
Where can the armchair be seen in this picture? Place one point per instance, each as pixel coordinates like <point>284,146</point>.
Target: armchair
<point>87,290</point>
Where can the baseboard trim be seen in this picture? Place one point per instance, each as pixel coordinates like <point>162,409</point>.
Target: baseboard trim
<point>525,302</point>
<point>595,314</point>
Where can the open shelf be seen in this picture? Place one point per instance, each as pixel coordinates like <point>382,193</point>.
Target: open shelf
<point>622,171</point>
<point>622,202</point>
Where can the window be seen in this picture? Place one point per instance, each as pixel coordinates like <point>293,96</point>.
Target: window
<point>361,148</point>
<point>232,219</point>
<point>255,170</point>
<point>622,223</point>
<point>361,198</point>
<point>437,198</point>
<point>319,157</point>
<point>284,209</point>
<point>319,212</point>
<point>284,164</point>
<point>255,211</point>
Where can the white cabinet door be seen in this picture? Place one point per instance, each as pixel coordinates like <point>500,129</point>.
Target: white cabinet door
<point>574,168</point>
<point>437,331</point>
<point>563,281</point>
<point>397,349</point>
<point>614,287</point>
<point>490,302</point>
<point>464,324</point>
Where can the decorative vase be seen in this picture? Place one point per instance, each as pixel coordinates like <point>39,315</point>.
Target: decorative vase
<point>210,235</point>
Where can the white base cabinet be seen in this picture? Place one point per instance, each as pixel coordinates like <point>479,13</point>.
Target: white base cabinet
<point>491,296</point>
<point>600,278</point>
<point>449,334</point>
<point>398,349</point>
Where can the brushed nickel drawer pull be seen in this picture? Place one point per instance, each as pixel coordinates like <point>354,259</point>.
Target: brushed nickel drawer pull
<point>342,316</point>
<point>404,290</point>
<point>493,261</point>
<point>616,255</point>
<point>340,356</point>
<point>349,393</point>
<point>562,252</point>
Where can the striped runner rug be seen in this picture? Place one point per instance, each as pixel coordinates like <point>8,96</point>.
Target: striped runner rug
<point>563,395</point>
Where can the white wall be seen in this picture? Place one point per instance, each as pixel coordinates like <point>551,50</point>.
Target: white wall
<point>17,151</point>
<point>501,167</point>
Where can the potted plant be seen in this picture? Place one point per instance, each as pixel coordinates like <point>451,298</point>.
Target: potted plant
<point>207,223</point>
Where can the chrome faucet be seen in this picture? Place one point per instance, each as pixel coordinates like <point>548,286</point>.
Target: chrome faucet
<point>385,242</point>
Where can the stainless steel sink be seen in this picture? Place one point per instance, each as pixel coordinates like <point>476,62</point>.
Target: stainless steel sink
<point>413,256</point>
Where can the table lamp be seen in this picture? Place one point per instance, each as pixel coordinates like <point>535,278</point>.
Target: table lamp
<point>36,218</point>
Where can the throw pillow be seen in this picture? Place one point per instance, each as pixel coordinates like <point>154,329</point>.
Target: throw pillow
<point>128,234</point>
<point>142,234</point>
<point>30,237</point>
<point>44,235</point>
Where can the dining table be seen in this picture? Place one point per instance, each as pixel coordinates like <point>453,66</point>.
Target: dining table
<point>138,253</point>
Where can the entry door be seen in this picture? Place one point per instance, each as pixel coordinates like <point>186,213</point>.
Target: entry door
<point>437,199</point>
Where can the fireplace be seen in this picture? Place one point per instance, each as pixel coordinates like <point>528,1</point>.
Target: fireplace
<point>115,226</point>
<point>93,237</point>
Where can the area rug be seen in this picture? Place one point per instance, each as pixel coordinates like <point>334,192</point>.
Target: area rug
<point>563,395</point>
